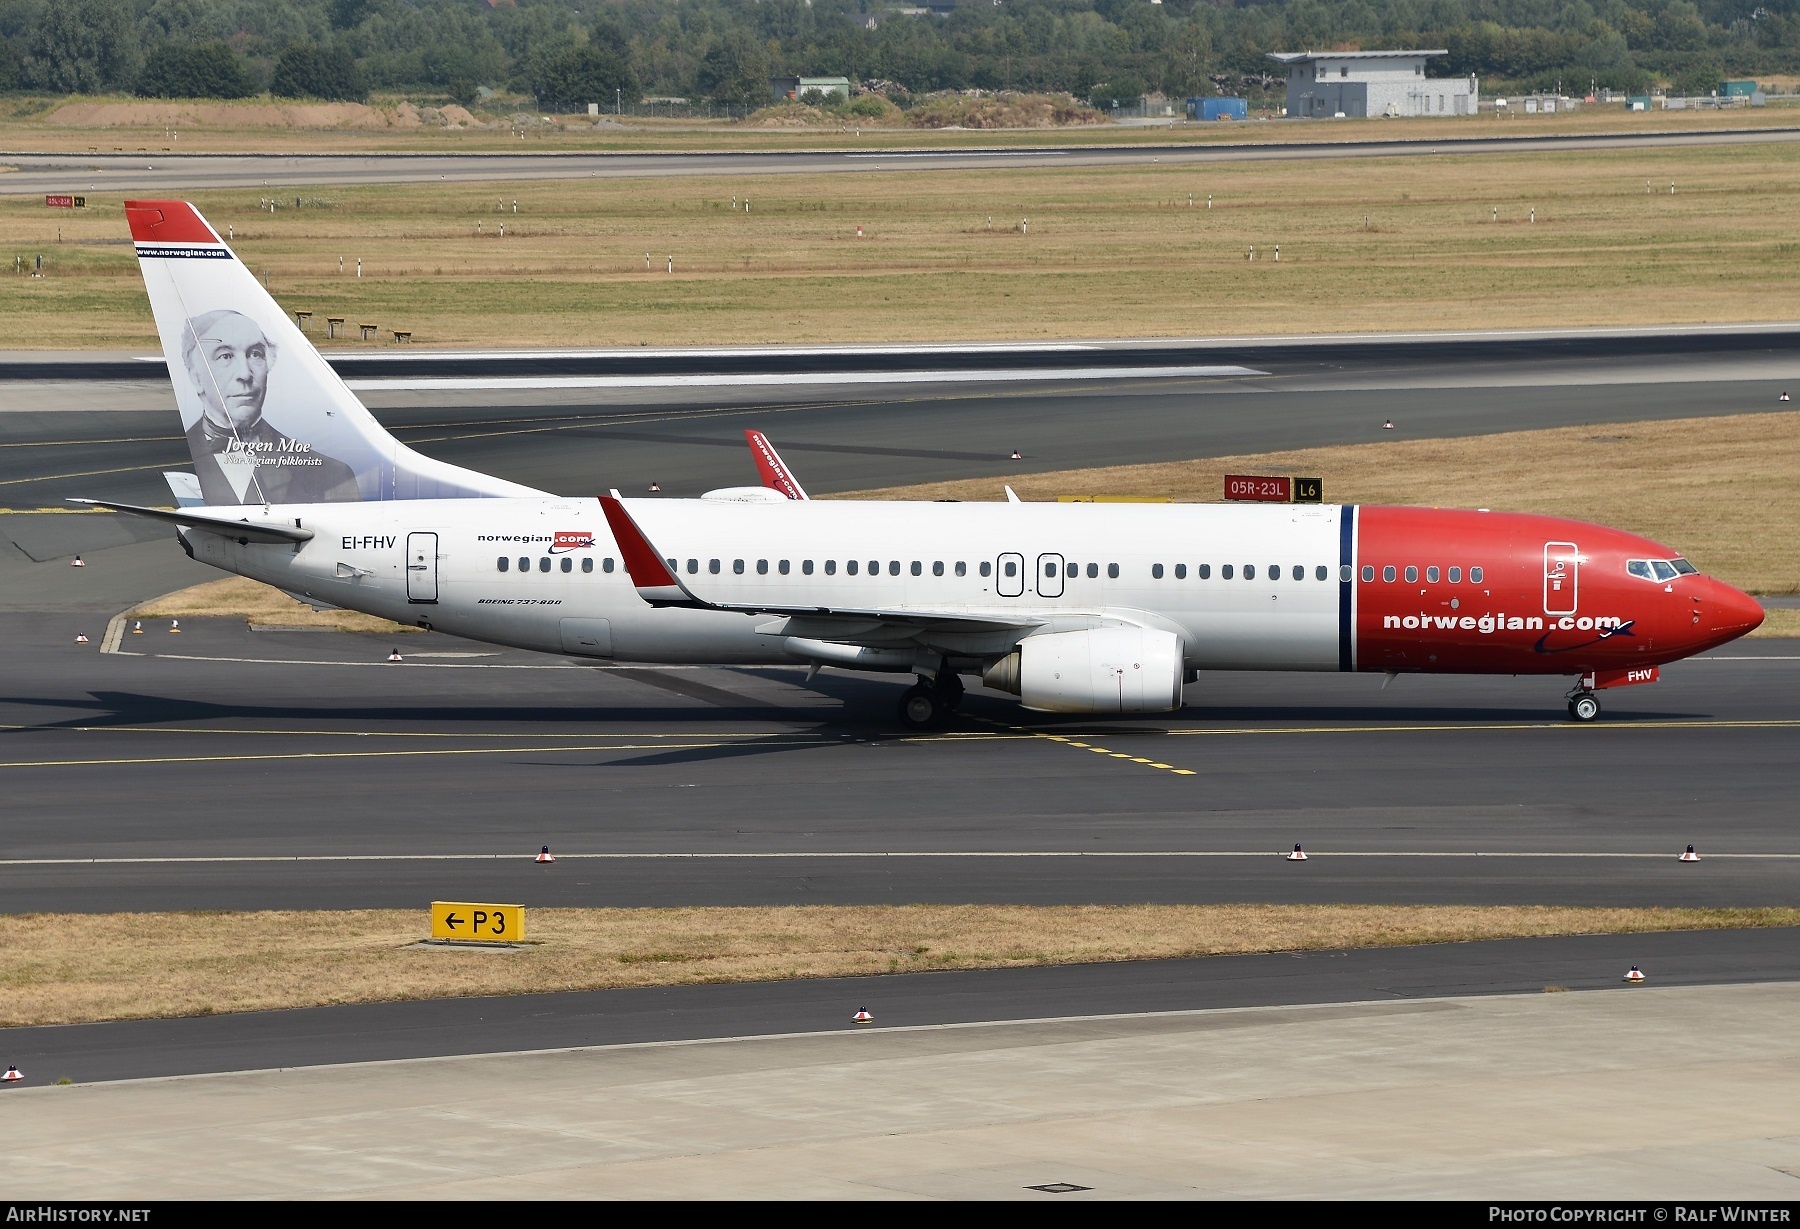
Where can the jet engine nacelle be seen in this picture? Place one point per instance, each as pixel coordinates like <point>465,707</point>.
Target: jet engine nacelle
<point>1106,670</point>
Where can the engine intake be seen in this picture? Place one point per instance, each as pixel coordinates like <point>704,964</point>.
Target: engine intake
<point>1106,670</point>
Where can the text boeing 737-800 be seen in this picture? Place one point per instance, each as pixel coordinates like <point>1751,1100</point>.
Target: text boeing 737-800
<point>1080,608</point>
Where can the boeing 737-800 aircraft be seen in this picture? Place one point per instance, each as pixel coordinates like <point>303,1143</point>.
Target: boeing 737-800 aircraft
<point>1077,608</point>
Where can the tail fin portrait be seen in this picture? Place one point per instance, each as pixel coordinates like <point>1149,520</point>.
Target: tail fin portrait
<point>267,419</point>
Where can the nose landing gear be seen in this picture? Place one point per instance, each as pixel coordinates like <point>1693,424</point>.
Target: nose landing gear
<point>1584,705</point>
<point>924,705</point>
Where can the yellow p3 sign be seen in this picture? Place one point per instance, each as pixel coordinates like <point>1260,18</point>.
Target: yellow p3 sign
<point>455,919</point>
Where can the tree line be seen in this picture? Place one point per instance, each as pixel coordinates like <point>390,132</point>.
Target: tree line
<point>566,53</point>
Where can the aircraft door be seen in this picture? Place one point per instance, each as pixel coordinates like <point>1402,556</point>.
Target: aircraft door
<point>1050,576</point>
<point>1562,577</point>
<point>1009,579</point>
<point>421,568</point>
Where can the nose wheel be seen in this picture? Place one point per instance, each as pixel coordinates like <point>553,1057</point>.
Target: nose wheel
<point>1584,706</point>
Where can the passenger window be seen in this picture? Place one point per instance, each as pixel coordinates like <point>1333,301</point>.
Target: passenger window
<point>962,569</point>
<point>987,569</point>
<point>1156,570</point>
<point>587,565</point>
<point>1474,576</point>
<point>1050,570</point>
<point>1455,576</point>
<point>806,567</point>
<point>1321,572</point>
<point>1112,571</point>
<point>1012,568</point>
<point>831,567</point>
<point>693,566</point>
<point>937,567</point>
<point>874,567</point>
<point>918,569</point>
<point>1072,571</point>
<point>737,567</point>
<point>1387,573</point>
<point>782,567</point>
<point>893,567</point>
<point>524,564</point>
<point>1225,571</point>
<point>762,567</point>
<point>606,565</point>
<point>1274,571</point>
<point>712,565</point>
<point>544,564</point>
<point>1204,571</point>
<point>1249,571</point>
<point>850,566</point>
<point>673,566</point>
<point>503,563</point>
<point>1300,572</point>
<point>1431,576</point>
<point>1093,571</point>
<point>1412,575</point>
<point>1368,573</point>
<point>568,564</point>
<point>1181,571</point>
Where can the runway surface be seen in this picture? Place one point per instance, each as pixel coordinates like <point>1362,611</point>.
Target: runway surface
<point>377,1032</point>
<point>151,170</point>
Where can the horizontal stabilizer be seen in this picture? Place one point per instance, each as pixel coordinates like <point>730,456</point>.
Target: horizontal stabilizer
<point>212,522</point>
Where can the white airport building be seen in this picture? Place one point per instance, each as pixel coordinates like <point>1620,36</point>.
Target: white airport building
<point>1324,84</point>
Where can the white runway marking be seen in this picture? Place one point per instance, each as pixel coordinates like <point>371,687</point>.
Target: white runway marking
<point>1015,855</point>
<point>1004,375</point>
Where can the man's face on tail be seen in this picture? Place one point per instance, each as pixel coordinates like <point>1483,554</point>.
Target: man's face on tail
<point>229,362</point>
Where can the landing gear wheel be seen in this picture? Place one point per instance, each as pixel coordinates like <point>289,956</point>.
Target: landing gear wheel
<point>921,708</point>
<point>1584,707</point>
<point>949,690</point>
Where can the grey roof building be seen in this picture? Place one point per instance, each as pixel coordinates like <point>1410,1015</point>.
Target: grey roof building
<point>1361,83</point>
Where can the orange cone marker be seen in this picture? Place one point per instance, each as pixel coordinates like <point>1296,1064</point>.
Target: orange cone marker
<point>12,1076</point>
<point>1387,424</point>
<point>654,488</point>
<point>175,626</point>
<point>862,1016</point>
<point>137,628</point>
<point>544,855</point>
<point>76,562</point>
<point>80,639</point>
<point>394,655</point>
<point>1299,855</point>
<point>1690,855</point>
<point>1783,397</point>
<point>1636,975</point>
<point>1015,456</point>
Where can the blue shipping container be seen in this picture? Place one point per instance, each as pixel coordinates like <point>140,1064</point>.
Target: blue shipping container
<point>1224,108</point>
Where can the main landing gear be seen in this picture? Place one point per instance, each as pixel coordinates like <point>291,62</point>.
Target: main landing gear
<point>924,705</point>
<point>1583,705</point>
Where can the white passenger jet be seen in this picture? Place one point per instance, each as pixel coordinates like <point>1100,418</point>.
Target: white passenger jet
<point>1076,608</point>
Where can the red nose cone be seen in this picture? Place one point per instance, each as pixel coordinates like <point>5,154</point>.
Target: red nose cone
<point>1731,613</point>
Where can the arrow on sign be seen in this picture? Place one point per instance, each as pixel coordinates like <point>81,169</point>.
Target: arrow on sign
<point>452,921</point>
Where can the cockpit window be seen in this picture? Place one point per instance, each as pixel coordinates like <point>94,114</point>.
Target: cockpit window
<point>1683,566</point>
<point>1664,571</point>
<point>1639,568</point>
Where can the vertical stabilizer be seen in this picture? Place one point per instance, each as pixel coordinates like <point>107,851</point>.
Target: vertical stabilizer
<point>267,419</point>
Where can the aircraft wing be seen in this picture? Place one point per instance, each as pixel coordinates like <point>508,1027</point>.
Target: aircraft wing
<point>660,585</point>
<point>212,521</point>
<point>775,473</point>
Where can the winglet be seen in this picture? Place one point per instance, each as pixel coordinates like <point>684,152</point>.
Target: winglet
<point>655,579</point>
<point>775,473</point>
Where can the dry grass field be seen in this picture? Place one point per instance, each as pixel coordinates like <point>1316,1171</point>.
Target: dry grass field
<point>259,604</point>
<point>64,968</point>
<point>393,125</point>
<point>1366,244</point>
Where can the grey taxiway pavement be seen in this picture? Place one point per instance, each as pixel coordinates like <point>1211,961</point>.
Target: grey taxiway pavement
<point>232,768</point>
<point>152,170</point>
